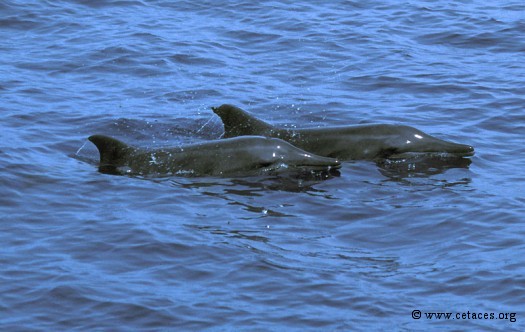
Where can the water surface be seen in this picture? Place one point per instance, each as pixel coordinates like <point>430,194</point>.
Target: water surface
<point>81,250</point>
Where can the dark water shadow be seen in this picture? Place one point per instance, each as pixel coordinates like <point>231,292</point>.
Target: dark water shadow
<point>420,166</point>
<point>253,186</point>
<point>252,194</point>
<point>250,235</point>
<point>427,171</point>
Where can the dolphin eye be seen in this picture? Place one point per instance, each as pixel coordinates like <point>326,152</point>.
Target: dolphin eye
<point>418,136</point>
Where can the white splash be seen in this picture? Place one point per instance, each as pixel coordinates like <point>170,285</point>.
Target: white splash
<point>153,160</point>
<point>204,125</point>
<point>78,151</point>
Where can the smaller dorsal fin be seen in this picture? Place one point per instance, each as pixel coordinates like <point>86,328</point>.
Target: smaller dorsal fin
<point>239,123</point>
<point>113,152</point>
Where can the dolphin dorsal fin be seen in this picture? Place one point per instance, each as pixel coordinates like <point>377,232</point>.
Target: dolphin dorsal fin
<point>240,123</point>
<point>112,151</point>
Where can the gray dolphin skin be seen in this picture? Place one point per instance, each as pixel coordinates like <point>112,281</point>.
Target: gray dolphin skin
<point>247,155</point>
<point>366,142</point>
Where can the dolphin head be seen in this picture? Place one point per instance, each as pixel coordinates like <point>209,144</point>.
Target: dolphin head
<point>411,140</point>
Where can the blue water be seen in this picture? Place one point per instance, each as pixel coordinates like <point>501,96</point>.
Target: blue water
<point>85,251</point>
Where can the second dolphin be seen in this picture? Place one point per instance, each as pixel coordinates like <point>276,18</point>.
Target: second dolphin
<point>374,141</point>
<point>250,155</point>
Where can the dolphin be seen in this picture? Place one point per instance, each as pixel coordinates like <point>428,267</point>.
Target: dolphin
<point>247,155</point>
<point>365,142</point>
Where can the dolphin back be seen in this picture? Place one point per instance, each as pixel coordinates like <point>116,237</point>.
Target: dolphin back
<point>240,123</point>
<point>113,153</point>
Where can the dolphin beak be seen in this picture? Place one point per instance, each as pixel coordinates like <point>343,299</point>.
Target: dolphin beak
<point>470,151</point>
<point>320,163</point>
<point>437,148</point>
<point>437,145</point>
<point>460,150</point>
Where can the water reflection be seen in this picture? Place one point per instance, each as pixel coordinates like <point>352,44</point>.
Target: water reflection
<point>420,166</point>
<point>251,186</point>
